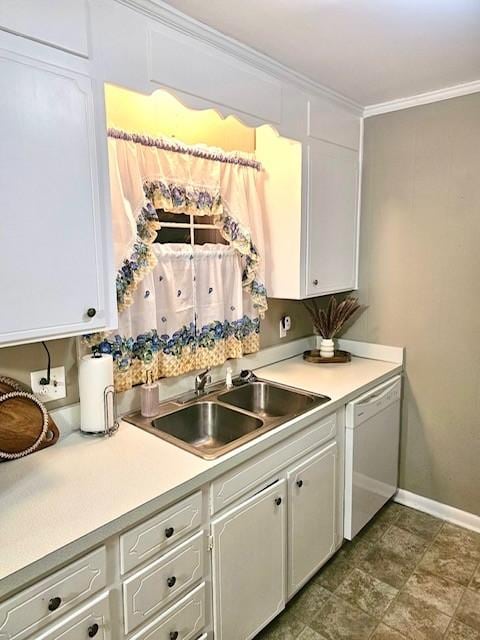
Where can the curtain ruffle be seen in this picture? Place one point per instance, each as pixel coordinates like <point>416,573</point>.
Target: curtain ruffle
<point>183,351</point>
<point>177,199</point>
<point>141,261</point>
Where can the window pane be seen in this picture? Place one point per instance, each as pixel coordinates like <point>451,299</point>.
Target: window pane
<point>165,216</point>
<point>203,220</point>
<point>169,235</point>
<point>204,236</point>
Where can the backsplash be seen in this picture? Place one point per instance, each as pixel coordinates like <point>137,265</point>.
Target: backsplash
<point>19,361</point>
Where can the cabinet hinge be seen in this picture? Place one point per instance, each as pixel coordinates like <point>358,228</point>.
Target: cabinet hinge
<point>210,543</point>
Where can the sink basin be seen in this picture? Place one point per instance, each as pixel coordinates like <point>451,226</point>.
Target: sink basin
<point>223,420</point>
<point>268,400</point>
<point>207,426</point>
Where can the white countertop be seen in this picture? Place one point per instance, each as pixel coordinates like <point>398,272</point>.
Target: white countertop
<point>65,499</point>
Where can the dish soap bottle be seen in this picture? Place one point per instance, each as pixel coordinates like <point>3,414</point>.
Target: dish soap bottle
<point>149,400</point>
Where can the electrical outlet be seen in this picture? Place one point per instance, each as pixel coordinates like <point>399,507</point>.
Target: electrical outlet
<point>57,388</point>
<point>285,326</point>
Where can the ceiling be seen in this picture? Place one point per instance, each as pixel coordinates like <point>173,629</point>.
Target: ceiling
<point>371,51</point>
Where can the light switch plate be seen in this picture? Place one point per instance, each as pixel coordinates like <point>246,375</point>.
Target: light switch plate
<point>57,388</point>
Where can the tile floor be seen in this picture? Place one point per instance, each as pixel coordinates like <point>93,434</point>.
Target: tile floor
<point>407,575</point>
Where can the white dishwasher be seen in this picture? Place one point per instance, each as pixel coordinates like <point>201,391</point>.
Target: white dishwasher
<point>371,453</point>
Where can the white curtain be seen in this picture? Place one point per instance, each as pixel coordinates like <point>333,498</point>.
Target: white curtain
<point>183,307</point>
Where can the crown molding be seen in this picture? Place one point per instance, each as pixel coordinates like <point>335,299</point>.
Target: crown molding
<point>422,98</point>
<point>184,24</point>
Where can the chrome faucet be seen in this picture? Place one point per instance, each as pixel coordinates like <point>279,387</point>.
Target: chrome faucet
<point>201,380</point>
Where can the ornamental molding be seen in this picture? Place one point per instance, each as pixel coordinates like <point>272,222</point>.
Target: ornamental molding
<point>187,26</point>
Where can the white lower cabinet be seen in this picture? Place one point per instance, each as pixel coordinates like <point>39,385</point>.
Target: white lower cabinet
<point>249,564</point>
<point>183,621</point>
<point>92,621</point>
<point>152,588</point>
<point>45,601</point>
<point>273,522</point>
<point>312,498</point>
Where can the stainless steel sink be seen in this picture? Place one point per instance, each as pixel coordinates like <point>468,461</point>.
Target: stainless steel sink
<point>207,426</point>
<point>267,400</point>
<point>221,420</point>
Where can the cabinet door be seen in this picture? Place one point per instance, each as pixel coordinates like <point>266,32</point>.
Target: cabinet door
<point>332,218</point>
<point>312,488</point>
<point>50,260</point>
<point>61,23</point>
<point>249,564</point>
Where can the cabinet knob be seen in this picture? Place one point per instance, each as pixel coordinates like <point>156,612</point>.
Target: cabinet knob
<point>315,282</point>
<point>91,312</point>
<point>93,630</point>
<point>299,483</point>
<point>171,581</point>
<point>173,635</point>
<point>169,531</point>
<point>54,603</point>
<point>278,501</point>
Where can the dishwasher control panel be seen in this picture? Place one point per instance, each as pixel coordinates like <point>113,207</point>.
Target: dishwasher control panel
<point>373,401</point>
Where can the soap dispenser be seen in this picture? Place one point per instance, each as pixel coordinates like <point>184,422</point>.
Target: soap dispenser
<point>149,400</point>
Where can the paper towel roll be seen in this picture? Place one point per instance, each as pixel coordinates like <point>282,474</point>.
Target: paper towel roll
<point>95,375</point>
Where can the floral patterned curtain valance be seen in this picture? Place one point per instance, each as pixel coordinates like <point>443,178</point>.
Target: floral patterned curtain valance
<point>182,307</point>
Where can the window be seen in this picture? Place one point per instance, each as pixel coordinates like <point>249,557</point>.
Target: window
<point>188,229</point>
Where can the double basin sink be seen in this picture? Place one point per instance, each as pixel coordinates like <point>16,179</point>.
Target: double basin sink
<point>220,420</point>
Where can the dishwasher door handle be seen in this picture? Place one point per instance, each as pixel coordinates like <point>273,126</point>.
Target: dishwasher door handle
<point>376,396</point>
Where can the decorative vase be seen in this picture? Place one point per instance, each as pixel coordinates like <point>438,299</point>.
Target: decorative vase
<point>327,348</point>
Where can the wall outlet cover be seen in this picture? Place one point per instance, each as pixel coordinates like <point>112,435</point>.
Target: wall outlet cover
<point>285,326</point>
<point>57,388</point>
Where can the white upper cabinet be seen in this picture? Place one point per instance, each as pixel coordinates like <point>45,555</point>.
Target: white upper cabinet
<point>332,122</point>
<point>311,208</point>
<point>208,73</point>
<point>331,252</point>
<point>54,263</point>
<point>60,23</point>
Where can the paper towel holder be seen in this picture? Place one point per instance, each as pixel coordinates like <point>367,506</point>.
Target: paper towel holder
<point>111,426</point>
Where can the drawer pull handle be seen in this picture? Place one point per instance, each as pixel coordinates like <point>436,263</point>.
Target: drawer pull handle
<point>93,630</point>
<point>54,603</point>
<point>91,313</point>
<point>173,635</point>
<point>299,484</point>
<point>171,581</point>
<point>315,282</point>
<point>278,501</point>
<point>169,531</point>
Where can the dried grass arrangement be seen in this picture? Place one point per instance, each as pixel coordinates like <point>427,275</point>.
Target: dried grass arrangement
<point>330,321</point>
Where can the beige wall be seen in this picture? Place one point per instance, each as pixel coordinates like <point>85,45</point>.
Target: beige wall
<point>420,277</point>
<point>17,362</point>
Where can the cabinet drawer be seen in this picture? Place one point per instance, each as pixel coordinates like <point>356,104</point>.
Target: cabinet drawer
<point>92,621</point>
<point>240,480</point>
<point>186,618</point>
<point>159,532</point>
<point>150,589</point>
<point>45,601</point>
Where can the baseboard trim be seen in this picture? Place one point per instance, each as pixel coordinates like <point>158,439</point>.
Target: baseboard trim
<point>438,509</point>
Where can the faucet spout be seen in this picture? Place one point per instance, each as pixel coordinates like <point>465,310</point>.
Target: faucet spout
<point>201,380</point>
